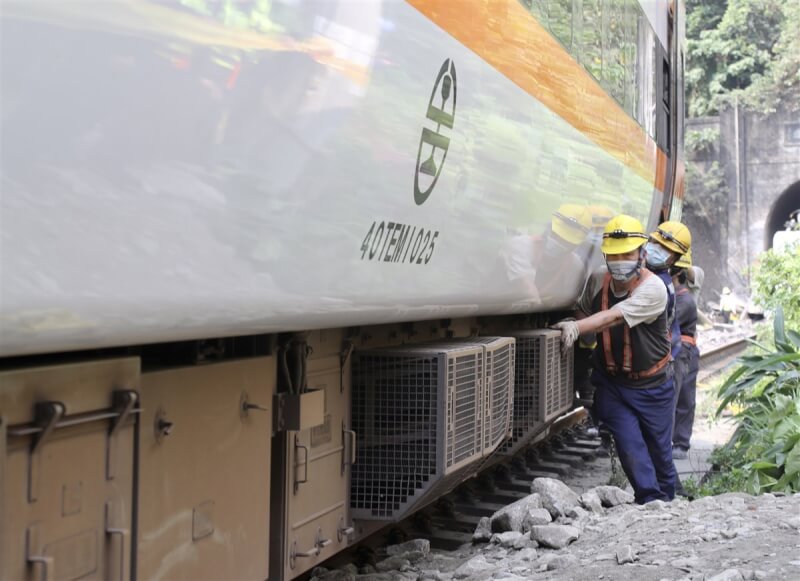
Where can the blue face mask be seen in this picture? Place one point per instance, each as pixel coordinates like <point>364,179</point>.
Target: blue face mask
<point>657,256</point>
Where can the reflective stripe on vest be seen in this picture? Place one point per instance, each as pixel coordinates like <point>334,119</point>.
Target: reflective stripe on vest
<point>689,339</point>
<point>627,349</point>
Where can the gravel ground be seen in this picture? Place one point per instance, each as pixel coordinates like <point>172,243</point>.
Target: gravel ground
<point>731,537</point>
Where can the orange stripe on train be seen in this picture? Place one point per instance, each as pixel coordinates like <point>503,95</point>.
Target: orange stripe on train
<point>512,41</point>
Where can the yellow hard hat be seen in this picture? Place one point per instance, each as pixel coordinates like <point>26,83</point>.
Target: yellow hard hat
<point>600,215</point>
<point>684,261</point>
<point>572,222</point>
<point>674,236</point>
<point>622,234</point>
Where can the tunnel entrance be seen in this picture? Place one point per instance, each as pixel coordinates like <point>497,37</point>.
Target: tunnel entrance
<point>787,202</point>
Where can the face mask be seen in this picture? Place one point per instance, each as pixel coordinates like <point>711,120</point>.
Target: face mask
<point>657,256</point>
<point>623,270</point>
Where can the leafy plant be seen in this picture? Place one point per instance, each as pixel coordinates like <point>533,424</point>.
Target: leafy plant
<point>744,49</point>
<point>775,279</point>
<point>725,476</point>
<point>706,184</point>
<point>702,141</point>
<point>766,388</point>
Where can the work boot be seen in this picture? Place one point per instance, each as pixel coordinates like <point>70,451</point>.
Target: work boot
<point>680,490</point>
<point>679,453</point>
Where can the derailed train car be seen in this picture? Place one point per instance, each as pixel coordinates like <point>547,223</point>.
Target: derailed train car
<point>276,273</point>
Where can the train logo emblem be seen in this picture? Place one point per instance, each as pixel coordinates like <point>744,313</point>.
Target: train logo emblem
<point>433,144</point>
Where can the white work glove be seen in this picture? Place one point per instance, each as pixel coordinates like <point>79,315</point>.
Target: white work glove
<point>569,333</point>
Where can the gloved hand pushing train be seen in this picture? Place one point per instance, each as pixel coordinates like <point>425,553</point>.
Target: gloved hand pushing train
<point>569,333</point>
<point>626,305</point>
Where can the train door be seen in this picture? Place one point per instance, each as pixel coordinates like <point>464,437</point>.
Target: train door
<point>67,470</point>
<point>204,471</point>
<point>316,486</point>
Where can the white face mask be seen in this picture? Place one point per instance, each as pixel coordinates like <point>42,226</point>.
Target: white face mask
<point>657,256</point>
<point>623,270</point>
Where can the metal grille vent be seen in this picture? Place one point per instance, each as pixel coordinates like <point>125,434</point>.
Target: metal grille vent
<point>498,401</point>
<point>416,415</point>
<point>543,384</point>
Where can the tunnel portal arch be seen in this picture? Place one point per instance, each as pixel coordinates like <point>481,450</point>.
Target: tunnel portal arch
<point>782,208</point>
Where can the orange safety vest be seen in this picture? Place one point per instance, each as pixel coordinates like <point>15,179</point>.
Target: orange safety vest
<point>627,349</point>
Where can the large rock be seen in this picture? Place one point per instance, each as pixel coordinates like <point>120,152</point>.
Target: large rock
<point>577,512</point>
<point>510,518</point>
<point>483,532</point>
<point>625,555</point>
<point>416,546</point>
<point>474,566</point>
<point>613,496</point>
<point>535,517</point>
<point>591,502</point>
<point>554,562</point>
<point>555,536</point>
<point>527,554</point>
<point>507,539</point>
<point>395,563</point>
<point>556,496</point>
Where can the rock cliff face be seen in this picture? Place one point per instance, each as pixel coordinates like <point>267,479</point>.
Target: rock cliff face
<point>731,537</point>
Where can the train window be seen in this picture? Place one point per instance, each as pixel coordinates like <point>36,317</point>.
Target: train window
<point>614,71</point>
<point>559,15</point>
<point>592,37</point>
<point>629,58</point>
<point>647,75</point>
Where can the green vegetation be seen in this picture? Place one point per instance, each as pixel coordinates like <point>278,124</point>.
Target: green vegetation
<point>775,283</point>
<point>745,50</point>
<point>764,453</point>
<point>725,477</point>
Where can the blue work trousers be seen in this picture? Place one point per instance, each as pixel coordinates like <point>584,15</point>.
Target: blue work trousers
<point>685,405</point>
<point>641,422</point>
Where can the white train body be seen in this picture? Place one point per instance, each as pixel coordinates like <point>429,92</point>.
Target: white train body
<point>164,179</point>
<point>186,183</point>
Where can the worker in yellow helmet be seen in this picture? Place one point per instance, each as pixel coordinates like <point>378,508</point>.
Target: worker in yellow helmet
<point>571,224</point>
<point>542,265</point>
<point>590,249</point>
<point>625,304</point>
<point>558,267</point>
<point>688,361</point>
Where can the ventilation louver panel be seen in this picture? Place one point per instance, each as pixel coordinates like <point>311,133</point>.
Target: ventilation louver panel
<point>543,384</point>
<point>499,354</point>
<point>417,415</point>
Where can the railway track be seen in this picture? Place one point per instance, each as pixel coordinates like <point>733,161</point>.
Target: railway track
<point>562,451</point>
<point>719,357</point>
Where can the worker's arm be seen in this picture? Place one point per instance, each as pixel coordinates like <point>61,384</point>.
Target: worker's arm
<point>600,321</point>
<point>571,330</point>
<point>644,305</point>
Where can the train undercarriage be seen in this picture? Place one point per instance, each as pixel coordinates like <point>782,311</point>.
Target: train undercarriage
<point>258,457</point>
